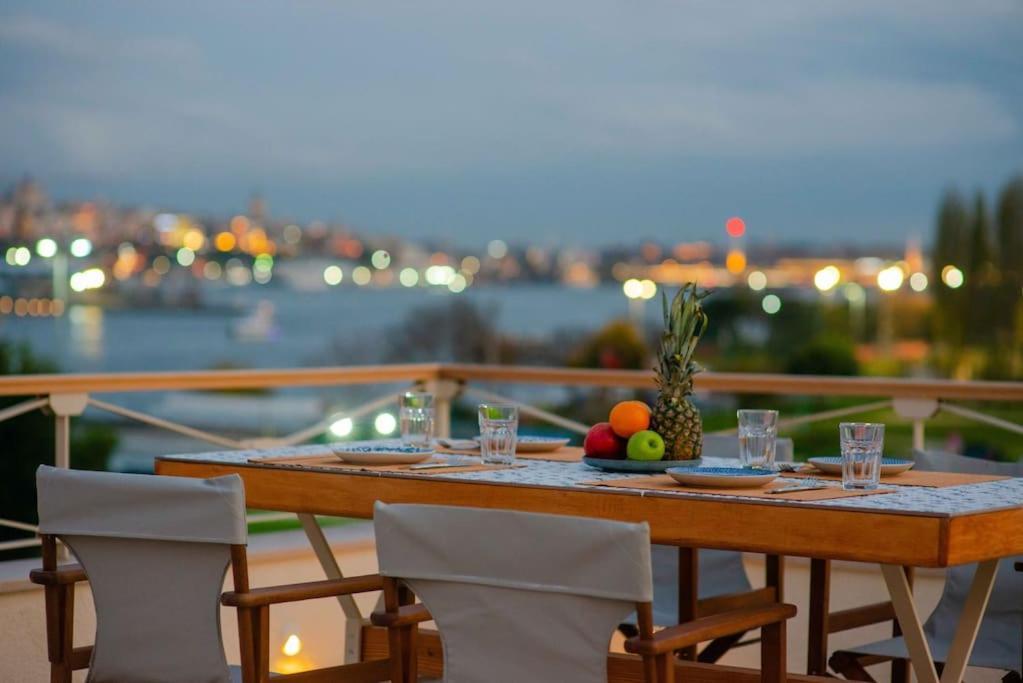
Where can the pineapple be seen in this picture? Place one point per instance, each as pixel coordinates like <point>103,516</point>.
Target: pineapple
<point>674,417</point>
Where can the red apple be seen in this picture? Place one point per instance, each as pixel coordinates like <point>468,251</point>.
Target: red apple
<point>602,442</point>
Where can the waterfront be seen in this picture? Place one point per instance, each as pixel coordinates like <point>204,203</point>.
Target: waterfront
<point>305,324</point>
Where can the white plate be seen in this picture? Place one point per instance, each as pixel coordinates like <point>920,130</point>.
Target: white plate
<point>889,466</point>
<point>721,477</point>
<point>536,444</point>
<point>381,455</point>
<point>539,444</point>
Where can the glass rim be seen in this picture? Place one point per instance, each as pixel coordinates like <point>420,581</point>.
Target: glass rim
<point>861,424</point>
<point>498,411</point>
<point>756,411</point>
<point>415,400</point>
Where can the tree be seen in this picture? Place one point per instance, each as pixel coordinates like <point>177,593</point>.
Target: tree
<point>1009,258</point>
<point>827,355</point>
<point>616,346</point>
<point>980,275</point>
<point>454,331</point>
<point>950,248</point>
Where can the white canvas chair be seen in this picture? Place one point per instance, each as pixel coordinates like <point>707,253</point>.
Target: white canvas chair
<point>529,597</point>
<point>998,641</point>
<point>155,551</point>
<point>720,572</point>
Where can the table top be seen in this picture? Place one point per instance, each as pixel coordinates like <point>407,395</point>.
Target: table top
<point>912,525</point>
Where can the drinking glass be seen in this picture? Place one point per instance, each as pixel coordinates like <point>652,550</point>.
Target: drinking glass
<point>862,445</point>
<point>499,426</point>
<point>416,416</point>
<point>758,431</point>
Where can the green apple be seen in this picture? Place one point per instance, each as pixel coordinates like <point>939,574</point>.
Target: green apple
<point>645,445</point>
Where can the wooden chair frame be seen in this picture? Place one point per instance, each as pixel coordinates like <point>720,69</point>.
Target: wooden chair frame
<point>823,622</point>
<point>691,607</point>
<point>657,649</point>
<point>253,605</point>
<point>850,664</point>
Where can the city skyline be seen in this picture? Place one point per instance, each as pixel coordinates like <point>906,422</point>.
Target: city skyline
<point>817,122</point>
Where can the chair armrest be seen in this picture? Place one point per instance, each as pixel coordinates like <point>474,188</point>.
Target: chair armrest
<point>405,616</point>
<point>708,628</point>
<point>61,576</point>
<point>295,592</point>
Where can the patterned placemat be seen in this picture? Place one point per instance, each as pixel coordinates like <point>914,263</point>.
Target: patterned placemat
<point>909,478</point>
<point>563,454</point>
<point>663,482</point>
<point>332,463</point>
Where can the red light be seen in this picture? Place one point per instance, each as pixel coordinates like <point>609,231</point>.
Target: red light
<point>735,227</point>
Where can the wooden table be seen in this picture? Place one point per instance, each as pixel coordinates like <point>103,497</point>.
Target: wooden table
<point>909,528</point>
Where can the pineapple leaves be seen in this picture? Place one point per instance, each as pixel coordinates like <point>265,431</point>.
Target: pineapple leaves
<point>685,322</point>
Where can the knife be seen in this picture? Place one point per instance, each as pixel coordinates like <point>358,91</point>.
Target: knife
<point>434,465</point>
<point>792,489</point>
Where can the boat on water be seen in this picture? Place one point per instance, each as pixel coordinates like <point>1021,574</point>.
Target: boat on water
<point>258,326</point>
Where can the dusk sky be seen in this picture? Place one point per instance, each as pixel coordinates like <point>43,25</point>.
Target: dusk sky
<point>572,122</point>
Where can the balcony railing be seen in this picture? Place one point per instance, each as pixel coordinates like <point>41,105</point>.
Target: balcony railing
<point>67,396</point>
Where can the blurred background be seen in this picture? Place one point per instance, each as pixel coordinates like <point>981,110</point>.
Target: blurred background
<point>275,185</point>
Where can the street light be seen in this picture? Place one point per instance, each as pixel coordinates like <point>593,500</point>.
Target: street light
<point>952,277</point>
<point>890,279</point>
<point>756,280</point>
<point>81,247</point>
<point>826,278</point>
<point>46,247</point>
<point>637,292</point>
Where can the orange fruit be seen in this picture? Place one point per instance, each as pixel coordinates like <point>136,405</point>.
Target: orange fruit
<point>629,417</point>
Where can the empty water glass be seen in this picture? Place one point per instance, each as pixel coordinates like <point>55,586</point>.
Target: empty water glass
<point>416,416</point>
<point>758,432</point>
<point>499,428</point>
<point>862,445</point>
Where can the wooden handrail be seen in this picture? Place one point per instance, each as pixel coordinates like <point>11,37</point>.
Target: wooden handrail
<point>745,382</point>
<point>719,382</point>
<point>27,385</point>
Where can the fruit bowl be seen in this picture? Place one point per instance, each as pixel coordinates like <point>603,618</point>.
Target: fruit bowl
<point>637,466</point>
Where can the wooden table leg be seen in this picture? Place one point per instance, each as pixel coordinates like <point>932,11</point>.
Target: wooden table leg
<point>688,592</point>
<point>820,611</point>
<point>354,620</point>
<point>775,575</point>
<point>966,632</point>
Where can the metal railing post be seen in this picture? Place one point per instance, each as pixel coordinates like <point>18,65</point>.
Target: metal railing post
<point>444,392</point>
<point>919,410</point>
<point>65,406</point>
<point>62,441</point>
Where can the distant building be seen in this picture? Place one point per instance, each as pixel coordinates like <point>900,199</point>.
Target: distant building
<point>258,210</point>
<point>29,202</point>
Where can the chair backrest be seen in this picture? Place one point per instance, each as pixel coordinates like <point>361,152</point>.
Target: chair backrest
<point>517,596</point>
<point>1000,631</point>
<point>941,461</point>
<point>155,550</point>
<point>727,446</point>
